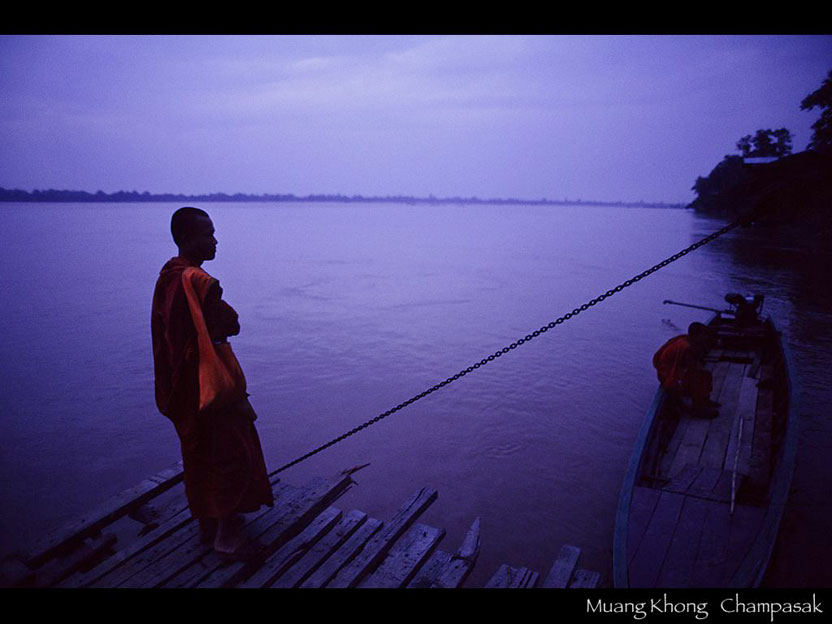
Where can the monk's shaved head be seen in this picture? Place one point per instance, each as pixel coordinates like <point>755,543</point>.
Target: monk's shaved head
<point>184,222</point>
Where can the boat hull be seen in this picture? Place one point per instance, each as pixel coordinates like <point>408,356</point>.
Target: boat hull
<point>702,499</point>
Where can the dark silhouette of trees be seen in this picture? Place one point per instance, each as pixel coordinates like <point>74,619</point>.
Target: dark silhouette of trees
<point>822,128</point>
<point>766,143</point>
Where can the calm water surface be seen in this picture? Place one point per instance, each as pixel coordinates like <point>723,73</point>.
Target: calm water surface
<point>348,310</point>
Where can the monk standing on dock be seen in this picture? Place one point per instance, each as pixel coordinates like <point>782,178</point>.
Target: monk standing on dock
<point>201,388</point>
<point>678,364</point>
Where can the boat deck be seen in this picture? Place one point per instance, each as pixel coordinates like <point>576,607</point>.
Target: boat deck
<point>145,537</point>
<point>700,503</point>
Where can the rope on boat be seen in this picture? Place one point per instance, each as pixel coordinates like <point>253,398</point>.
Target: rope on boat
<point>744,220</point>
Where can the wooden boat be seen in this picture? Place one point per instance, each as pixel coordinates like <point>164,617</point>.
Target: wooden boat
<point>702,499</point>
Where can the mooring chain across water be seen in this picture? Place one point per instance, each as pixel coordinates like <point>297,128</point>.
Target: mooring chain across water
<point>745,220</point>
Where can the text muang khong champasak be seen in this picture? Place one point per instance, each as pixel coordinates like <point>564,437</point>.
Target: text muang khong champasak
<point>734,604</point>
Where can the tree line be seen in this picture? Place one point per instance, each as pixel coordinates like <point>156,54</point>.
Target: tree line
<point>52,195</point>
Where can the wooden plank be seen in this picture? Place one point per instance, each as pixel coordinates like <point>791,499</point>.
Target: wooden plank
<point>563,568</point>
<point>463,561</point>
<point>678,565</point>
<point>759,470</point>
<point>319,552</point>
<point>343,555</point>
<point>56,570</point>
<point>704,484</point>
<point>292,550</point>
<point>746,523</point>
<point>642,507</point>
<point>93,577</point>
<point>742,431</point>
<point>113,509</point>
<point>712,555</point>
<point>429,572</point>
<point>690,447</point>
<point>719,433</point>
<point>682,482</point>
<point>585,579</point>
<point>405,558</point>
<point>272,531</point>
<point>167,557</point>
<point>649,556</point>
<point>376,549</point>
<point>507,577</point>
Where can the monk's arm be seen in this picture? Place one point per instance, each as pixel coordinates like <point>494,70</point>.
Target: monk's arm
<point>220,318</point>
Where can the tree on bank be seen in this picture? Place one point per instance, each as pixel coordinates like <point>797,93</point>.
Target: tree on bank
<point>822,128</point>
<point>766,143</point>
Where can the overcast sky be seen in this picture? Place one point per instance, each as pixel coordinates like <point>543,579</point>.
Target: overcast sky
<point>592,117</point>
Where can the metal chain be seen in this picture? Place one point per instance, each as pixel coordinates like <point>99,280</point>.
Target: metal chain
<point>741,221</point>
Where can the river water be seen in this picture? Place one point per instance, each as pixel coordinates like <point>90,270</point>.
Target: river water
<point>349,309</point>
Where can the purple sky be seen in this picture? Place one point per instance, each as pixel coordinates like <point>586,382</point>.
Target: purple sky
<point>595,117</point>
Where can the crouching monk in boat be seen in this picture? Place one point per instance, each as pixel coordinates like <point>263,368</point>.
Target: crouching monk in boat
<point>201,389</point>
<point>679,367</point>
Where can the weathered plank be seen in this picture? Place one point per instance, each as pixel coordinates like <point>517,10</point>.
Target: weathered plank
<point>275,529</point>
<point>706,481</point>
<point>343,555</point>
<point>331,542</point>
<point>719,432</point>
<point>642,506</point>
<point>58,569</point>
<point>677,568</point>
<point>682,482</point>
<point>585,579</point>
<point>376,549</point>
<point>507,577</point>
<point>759,470</point>
<point>563,568</point>
<point>690,447</point>
<point>148,540</point>
<point>712,554</point>
<point>647,560</point>
<point>404,558</point>
<point>463,561</point>
<point>115,508</point>
<point>428,573</point>
<point>169,556</point>
<point>292,550</point>
<point>742,424</point>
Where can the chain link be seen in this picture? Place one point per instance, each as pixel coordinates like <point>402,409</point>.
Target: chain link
<point>627,283</point>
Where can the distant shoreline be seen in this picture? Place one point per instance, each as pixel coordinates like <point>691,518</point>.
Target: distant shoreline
<point>51,195</point>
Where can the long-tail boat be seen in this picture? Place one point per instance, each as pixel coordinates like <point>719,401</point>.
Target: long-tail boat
<point>703,498</point>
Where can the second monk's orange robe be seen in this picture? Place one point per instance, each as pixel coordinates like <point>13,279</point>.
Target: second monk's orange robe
<point>679,371</point>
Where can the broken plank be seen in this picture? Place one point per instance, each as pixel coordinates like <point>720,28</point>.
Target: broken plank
<point>405,558</point>
<point>507,577</point>
<point>585,579</point>
<point>562,569</point>
<point>343,555</point>
<point>91,577</point>
<point>320,551</point>
<point>292,550</point>
<point>58,569</point>
<point>429,572</point>
<point>463,561</point>
<point>373,553</point>
<point>108,512</point>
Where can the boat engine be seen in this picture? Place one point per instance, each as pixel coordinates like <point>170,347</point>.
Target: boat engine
<point>746,308</point>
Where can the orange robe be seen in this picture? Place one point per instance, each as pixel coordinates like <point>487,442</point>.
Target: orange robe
<point>224,469</point>
<point>679,371</point>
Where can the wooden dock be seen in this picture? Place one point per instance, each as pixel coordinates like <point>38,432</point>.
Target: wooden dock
<point>145,537</point>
